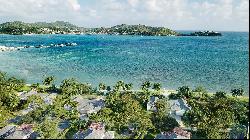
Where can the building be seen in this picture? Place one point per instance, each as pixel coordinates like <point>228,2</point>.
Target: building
<point>95,131</point>
<point>17,132</point>
<point>151,103</point>
<point>178,108</point>
<point>176,133</point>
<point>87,106</point>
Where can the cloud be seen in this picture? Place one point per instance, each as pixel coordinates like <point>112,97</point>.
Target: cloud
<point>75,5</point>
<point>176,14</point>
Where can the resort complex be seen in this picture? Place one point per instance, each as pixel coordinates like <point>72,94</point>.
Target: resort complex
<point>75,110</point>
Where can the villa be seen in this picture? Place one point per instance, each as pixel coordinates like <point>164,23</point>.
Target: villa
<point>95,131</point>
<point>17,132</point>
<point>176,133</point>
<point>151,103</point>
<point>178,108</point>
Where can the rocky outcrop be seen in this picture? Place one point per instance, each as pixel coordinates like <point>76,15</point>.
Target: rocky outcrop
<point>3,49</point>
<point>202,33</point>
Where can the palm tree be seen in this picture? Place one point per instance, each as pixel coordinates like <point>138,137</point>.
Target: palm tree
<point>157,86</point>
<point>237,92</point>
<point>49,80</point>
<point>146,85</point>
<point>129,86</point>
<point>102,86</point>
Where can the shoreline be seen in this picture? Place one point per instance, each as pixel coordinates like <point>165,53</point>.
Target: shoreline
<point>163,91</point>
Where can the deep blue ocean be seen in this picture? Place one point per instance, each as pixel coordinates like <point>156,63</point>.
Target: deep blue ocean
<point>217,63</point>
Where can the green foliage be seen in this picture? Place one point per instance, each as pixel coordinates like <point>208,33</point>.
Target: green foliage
<point>19,28</point>
<point>71,87</point>
<point>123,110</point>
<point>174,96</point>
<point>237,92</point>
<point>8,89</point>
<point>184,92</point>
<point>102,86</point>
<point>47,129</point>
<point>128,86</point>
<point>49,80</point>
<point>161,120</point>
<point>214,115</point>
<point>136,30</point>
<point>5,115</point>
<point>156,86</point>
<point>220,94</point>
<point>146,85</point>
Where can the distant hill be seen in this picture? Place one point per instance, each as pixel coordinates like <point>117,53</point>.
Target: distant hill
<point>144,30</point>
<point>19,28</point>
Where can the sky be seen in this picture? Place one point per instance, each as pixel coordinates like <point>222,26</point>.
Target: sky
<point>217,15</point>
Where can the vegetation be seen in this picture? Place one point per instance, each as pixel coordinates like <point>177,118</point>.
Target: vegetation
<point>19,28</point>
<point>125,110</point>
<point>124,29</point>
<point>61,27</point>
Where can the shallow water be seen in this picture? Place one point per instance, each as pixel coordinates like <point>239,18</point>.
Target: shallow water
<point>217,63</point>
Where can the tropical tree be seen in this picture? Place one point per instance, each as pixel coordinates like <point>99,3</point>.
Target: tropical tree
<point>146,85</point>
<point>102,86</point>
<point>237,92</point>
<point>156,86</point>
<point>49,80</point>
<point>48,129</point>
<point>220,94</point>
<point>120,85</point>
<point>128,86</point>
<point>185,91</point>
<point>108,88</point>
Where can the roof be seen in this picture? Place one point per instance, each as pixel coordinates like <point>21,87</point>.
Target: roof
<point>179,131</point>
<point>22,132</point>
<point>109,135</point>
<point>7,130</point>
<point>176,133</point>
<point>87,106</point>
<point>179,104</point>
<point>63,125</point>
<point>151,103</point>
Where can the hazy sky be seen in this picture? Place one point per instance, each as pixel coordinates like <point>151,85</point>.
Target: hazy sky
<point>218,15</point>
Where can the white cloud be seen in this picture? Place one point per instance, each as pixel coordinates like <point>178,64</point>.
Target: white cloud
<point>75,5</point>
<point>176,14</point>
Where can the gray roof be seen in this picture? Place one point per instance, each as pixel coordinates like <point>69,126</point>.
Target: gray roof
<point>63,125</point>
<point>7,130</point>
<point>20,134</point>
<point>86,106</point>
<point>94,134</point>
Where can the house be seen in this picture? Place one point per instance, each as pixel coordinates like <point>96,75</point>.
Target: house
<point>7,130</point>
<point>86,106</point>
<point>95,131</point>
<point>151,103</point>
<point>17,132</point>
<point>178,108</point>
<point>176,133</point>
<point>62,125</point>
<point>48,99</point>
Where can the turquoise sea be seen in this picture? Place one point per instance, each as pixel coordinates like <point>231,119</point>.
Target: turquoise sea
<point>217,63</point>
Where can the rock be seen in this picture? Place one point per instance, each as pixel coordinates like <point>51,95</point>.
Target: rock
<point>3,48</point>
